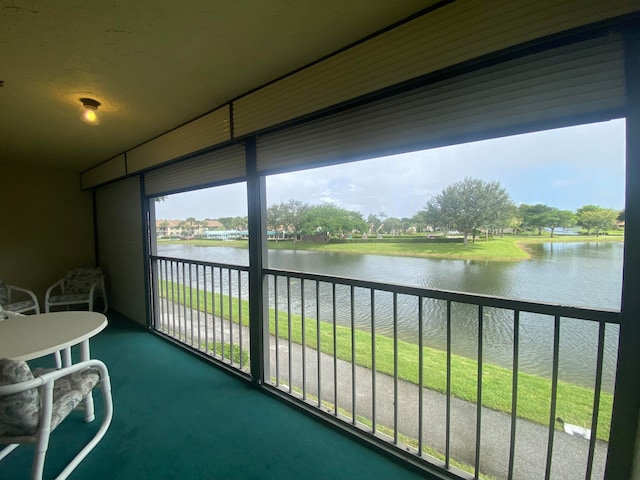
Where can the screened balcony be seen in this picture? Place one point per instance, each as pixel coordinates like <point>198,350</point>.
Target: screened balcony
<point>285,341</point>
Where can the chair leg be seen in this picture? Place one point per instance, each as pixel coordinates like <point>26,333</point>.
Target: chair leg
<point>105,385</point>
<point>8,449</point>
<point>38,460</point>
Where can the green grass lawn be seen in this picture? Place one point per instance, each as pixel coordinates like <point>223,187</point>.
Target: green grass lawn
<point>574,403</point>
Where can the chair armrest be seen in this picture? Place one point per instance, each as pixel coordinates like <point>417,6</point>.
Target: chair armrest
<point>50,289</point>
<point>53,375</point>
<point>22,290</point>
<point>20,387</point>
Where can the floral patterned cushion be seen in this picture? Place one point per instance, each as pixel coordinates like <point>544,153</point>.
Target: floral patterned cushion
<point>80,280</point>
<point>19,413</point>
<point>20,306</point>
<point>69,391</point>
<point>67,299</point>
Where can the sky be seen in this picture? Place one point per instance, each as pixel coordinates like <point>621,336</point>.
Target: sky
<point>565,168</point>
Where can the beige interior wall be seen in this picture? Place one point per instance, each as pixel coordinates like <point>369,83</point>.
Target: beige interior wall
<point>46,226</point>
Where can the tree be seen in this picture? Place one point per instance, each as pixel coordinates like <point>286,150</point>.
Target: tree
<point>330,219</point>
<point>535,216</point>
<point>393,225</point>
<point>595,218</point>
<point>227,222</point>
<point>560,218</point>
<point>287,216</point>
<point>276,218</point>
<point>515,221</point>
<point>419,220</point>
<point>405,224</point>
<point>435,218</point>
<point>240,223</point>
<point>469,205</point>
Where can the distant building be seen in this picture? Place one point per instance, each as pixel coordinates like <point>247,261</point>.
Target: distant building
<point>180,228</point>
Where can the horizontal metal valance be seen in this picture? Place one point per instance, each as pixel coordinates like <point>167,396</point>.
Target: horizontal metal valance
<point>559,86</point>
<point>218,166</point>
<point>103,173</point>
<point>207,131</point>
<point>450,35</point>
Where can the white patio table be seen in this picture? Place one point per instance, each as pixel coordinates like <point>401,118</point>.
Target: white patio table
<point>25,337</point>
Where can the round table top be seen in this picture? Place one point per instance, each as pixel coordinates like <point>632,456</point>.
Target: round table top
<point>32,336</point>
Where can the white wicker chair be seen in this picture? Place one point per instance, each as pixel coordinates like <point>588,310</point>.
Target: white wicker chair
<point>79,286</point>
<point>26,303</point>
<point>31,407</point>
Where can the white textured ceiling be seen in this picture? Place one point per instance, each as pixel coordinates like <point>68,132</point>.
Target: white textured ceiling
<point>153,64</point>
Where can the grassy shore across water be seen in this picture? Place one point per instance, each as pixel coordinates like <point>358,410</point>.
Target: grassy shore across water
<point>507,248</point>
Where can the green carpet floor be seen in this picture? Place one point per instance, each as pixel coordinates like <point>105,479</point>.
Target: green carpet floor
<point>178,417</point>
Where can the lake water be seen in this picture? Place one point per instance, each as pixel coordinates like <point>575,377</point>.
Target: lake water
<point>578,274</point>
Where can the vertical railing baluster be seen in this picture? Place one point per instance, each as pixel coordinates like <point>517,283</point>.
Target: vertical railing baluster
<point>289,331</point>
<point>554,394</point>
<point>514,391</point>
<point>373,360</point>
<point>230,288</point>
<point>214,336</point>
<point>240,326</point>
<point>447,448</point>
<point>184,298</point>
<point>479,394</point>
<point>158,287</point>
<point>173,301</point>
<point>277,327</point>
<point>596,400</point>
<point>420,374</point>
<point>206,310</point>
<point>318,349</point>
<point>335,351</point>
<point>189,268</point>
<point>304,341</point>
<point>395,368</point>
<point>162,272</point>
<point>179,299</point>
<point>353,357</point>
<point>221,303</point>
<point>198,306</point>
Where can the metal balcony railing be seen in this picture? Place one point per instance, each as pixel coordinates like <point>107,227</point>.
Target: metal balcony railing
<point>363,354</point>
<point>203,305</point>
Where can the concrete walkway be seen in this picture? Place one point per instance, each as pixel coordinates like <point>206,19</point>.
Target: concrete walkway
<point>569,452</point>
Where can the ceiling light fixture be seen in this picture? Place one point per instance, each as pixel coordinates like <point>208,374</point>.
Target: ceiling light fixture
<point>89,111</point>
